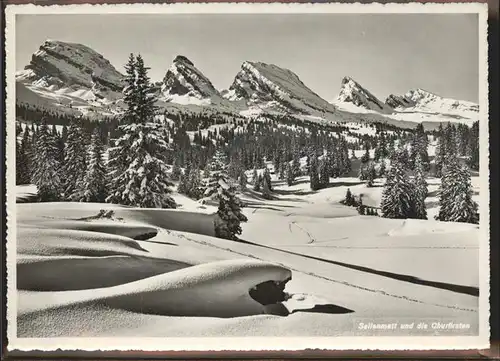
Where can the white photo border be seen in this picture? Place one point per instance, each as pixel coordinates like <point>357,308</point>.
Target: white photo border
<point>249,343</point>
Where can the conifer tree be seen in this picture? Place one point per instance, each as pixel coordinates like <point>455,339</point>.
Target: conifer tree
<point>296,163</point>
<point>282,170</point>
<point>230,216</point>
<point>397,196</point>
<point>176,170</point>
<point>349,199</point>
<point>440,152</point>
<point>194,189</point>
<point>290,175</point>
<point>382,169</point>
<point>243,179</point>
<point>473,147</point>
<point>95,180</point>
<point>324,173</point>
<point>256,180</point>
<point>267,178</point>
<point>419,147</point>
<point>266,186</point>
<point>182,187</point>
<point>46,166</point>
<point>455,194</point>
<point>371,174</point>
<point>75,165</point>
<point>137,162</point>
<point>23,159</point>
<point>218,167</point>
<point>420,189</point>
<point>366,155</point>
<point>313,174</point>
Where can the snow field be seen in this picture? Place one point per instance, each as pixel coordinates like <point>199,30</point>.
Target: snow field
<point>162,273</point>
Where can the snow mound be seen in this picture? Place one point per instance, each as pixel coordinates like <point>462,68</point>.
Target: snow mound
<point>216,289</point>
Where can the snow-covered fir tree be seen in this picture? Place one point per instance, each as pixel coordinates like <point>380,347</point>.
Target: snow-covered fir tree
<point>382,169</point>
<point>266,176</point>
<point>230,215</point>
<point>349,199</point>
<point>195,189</point>
<point>218,167</point>
<point>440,152</point>
<point>324,173</point>
<point>397,195</point>
<point>473,147</point>
<point>290,175</point>
<point>256,180</point>
<point>95,180</point>
<point>371,174</point>
<point>176,170</point>
<point>296,163</point>
<point>282,170</point>
<point>266,186</point>
<point>313,174</point>
<point>455,194</point>
<point>137,161</point>
<point>23,158</point>
<point>366,155</point>
<point>75,165</point>
<point>419,146</point>
<point>421,190</point>
<point>182,186</point>
<point>46,167</point>
<point>243,179</point>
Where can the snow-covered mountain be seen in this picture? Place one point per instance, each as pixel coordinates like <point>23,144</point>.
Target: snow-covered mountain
<point>73,78</point>
<point>73,69</point>
<point>416,105</point>
<point>184,83</point>
<point>419,99</point>
<point>269,87</point>
<point>352,92</point>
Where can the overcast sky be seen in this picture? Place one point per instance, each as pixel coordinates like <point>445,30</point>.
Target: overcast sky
<point>386,53</point>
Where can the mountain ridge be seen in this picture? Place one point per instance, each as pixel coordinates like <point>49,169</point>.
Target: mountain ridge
<point>73,77</point>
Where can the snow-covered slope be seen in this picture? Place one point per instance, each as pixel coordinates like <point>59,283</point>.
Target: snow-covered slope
<point>69,68</point>
<point>352,92</point>
<point>270,87</point>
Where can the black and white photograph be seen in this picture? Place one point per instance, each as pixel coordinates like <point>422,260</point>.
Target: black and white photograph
<point>249,176</point>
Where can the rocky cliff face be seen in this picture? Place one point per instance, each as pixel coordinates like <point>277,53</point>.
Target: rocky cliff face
<point>58,65</point>
<point>184,79</point>
<point>352,92</point>
<point>396,101</point>
<point>269,86</point>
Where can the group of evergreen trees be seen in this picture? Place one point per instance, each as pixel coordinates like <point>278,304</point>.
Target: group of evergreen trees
<point>405,189</point>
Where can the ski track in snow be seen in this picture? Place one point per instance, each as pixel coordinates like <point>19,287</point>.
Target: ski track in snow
<point>312,274</point>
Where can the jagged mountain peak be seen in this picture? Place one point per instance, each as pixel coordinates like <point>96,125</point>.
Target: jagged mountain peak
<point>76,67</point>
<point>184,79</point>
<point>352,92</point>
<point>269,86</point>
